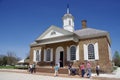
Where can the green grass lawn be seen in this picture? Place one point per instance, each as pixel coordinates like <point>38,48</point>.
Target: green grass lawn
<point>13,67</point>
<point>7,67</point>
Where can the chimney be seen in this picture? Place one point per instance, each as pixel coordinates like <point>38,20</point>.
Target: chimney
<point>84,25</point>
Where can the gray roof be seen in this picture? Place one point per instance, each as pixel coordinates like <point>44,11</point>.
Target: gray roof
<point>90,33</point>
<point>81,34</point>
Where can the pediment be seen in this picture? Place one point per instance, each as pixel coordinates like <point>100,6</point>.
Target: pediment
<point>53,31</point>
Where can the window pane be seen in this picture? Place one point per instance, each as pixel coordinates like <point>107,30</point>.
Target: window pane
<point>91,54</point>
<point>69,22</point>
<point>37,55</point>
<point>73,53</point>
<point>48,55</point>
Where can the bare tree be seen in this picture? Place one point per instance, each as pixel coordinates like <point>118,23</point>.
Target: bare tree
<point>12,58</point>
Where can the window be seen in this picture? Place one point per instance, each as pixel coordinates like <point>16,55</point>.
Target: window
<point>73,53</point>
<point>37,55</point>
<point>69,22</point>
<point>53,33</point>
<point>91,53</point>
<point>48,55</point>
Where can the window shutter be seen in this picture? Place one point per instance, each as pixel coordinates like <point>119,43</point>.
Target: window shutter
<point>85,52</point>
<point>40,55</point>
<point>68,53</point>
<point>44,54</point>
<point>96,51</point>
<point>77,53</point>
<point>34,56</point>
<point>51,55</point>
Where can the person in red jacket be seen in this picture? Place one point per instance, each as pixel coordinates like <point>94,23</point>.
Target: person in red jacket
<point>82,68</point>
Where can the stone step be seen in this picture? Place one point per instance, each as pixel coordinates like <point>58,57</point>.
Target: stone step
<point>51,70</point>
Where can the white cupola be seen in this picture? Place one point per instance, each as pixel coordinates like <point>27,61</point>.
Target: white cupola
<point>68,21</point>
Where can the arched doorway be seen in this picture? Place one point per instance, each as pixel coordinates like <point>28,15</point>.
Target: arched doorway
<point>59,56</point>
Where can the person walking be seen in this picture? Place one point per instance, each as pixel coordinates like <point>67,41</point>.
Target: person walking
<point>31,69</point>
<point>56,68</point>
<point>82,68</point>
<point>88,69</point>
<point>97,69</point>
<point>34,67</point>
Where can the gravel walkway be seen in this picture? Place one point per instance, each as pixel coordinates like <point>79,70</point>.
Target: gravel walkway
<point>13,74</point>
<point>22,76</point>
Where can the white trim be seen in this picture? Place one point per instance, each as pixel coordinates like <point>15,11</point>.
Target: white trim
<point>57,39</point>
<point>40,55</point>
<point>85,52</point>
<point>51,59</point>
<point>57,57</point>
<point>96,51</point>
<point>68,53</point>
<point>55,28</point>
<point>77,53</point>
<point>34,55</point>
<point>37,56</point>
<point>110,55</point>
<point>44,54</point>
<point>48,35</point>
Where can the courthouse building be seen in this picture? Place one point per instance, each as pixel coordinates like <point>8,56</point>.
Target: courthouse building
<point>67,45</point>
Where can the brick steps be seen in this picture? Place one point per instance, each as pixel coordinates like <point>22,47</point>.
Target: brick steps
<point>51,70</point>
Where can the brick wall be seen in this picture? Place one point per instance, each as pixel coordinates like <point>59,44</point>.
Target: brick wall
<point>104,62</point>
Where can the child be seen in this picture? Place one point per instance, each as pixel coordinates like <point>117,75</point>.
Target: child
<point>97,69</point>
<point>56,70</point>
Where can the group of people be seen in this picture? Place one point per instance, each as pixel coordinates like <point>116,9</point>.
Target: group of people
<point>88,70</point>
<point>85,69</point>
<point>31,68</point>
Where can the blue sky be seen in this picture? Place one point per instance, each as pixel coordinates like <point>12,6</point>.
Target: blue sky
<point>22,21</point>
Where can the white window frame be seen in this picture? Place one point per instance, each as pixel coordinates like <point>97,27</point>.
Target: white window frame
<point>77,52</point>
<point>93,50</point>
<point>96,46</point>
<point>110,52</point>
<point>35,55</point>
<point>70,53</point>
<point>51,54</point>
<point>96,51</point>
